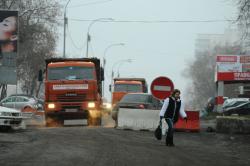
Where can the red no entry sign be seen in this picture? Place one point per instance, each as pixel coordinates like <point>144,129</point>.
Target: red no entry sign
<point>161,87</point>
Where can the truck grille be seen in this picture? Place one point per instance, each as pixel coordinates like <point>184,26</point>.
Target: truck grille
<point>71,97</point>
<point>71,107</point>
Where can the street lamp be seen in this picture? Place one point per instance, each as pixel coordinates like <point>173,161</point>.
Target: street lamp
<point>64,29</point>
<point>104,59</point>
<point>118,69</point>
<point>88,35</point>
<point>112,45</point>
<point>118,62</point>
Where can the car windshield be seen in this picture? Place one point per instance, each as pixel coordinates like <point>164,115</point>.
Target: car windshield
<point>128,88</point>
<point>135,98</point>
<point>71,73</point>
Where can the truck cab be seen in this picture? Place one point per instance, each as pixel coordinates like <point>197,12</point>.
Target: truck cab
<point>73,90</point>
<point>123,86</point>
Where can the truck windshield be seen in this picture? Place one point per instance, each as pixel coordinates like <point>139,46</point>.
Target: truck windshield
<point>71,73</point>
<point>128,88</point>
<point>135,98</point>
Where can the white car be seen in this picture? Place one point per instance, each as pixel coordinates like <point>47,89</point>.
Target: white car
<point>11,118</point>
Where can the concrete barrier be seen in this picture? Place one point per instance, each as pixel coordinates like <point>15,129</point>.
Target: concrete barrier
<point>232,124</point>
<point>138,119</point>
<point>144,119</point>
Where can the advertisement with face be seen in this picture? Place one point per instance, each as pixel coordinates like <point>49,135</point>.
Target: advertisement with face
<point>8,46</point>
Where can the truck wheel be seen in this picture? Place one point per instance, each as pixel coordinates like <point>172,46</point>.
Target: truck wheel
<point>99,121</point>
<point>89,121</point>
<point>94,121</point>
<point>53,122</point>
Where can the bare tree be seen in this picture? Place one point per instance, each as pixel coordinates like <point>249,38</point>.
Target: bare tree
<point>244,16</point>
<point>38,22</point>
<point>201,73</point>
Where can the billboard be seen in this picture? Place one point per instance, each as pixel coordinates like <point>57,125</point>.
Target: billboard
<point>232,68</point>
<point>8,46</point>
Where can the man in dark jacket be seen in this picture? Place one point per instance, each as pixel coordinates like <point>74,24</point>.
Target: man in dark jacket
<point>171,109</point>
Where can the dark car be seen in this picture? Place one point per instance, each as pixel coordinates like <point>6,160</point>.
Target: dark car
<point>137,101</point>
<point>232,105</point>
<point>242,109</point>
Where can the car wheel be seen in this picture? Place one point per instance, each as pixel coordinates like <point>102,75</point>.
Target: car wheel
<point>5,128</point>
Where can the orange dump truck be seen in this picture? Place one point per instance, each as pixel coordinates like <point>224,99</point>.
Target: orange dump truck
<point>123,86</point>
<point>73,90</point>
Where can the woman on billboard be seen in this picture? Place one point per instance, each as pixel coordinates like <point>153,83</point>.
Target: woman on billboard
<point>8,32</point>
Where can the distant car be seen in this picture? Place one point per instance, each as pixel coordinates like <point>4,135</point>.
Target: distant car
<point>210,105</point>
<point>232,102</point>
<point>242,109</point>
<point>137,101</point>
<point>28,104</point>
<point>232,105</point>
<point>10,118</point>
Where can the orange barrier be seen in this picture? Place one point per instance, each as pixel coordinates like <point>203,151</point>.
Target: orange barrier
<point>193,123</point>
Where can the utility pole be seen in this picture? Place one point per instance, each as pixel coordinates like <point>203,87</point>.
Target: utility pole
<point>88,40</point>
<point>64,29</point>
<point>64,34</point>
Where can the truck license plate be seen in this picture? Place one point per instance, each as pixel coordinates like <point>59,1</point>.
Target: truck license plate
<point>71,110</point>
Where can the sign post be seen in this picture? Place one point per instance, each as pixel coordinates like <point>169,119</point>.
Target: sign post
<point>161,87</point>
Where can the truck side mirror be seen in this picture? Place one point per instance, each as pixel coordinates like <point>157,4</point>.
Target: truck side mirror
<point>110,88</point>
<point>146,89</point>
<point>102,74</point>
<point>40,76</point>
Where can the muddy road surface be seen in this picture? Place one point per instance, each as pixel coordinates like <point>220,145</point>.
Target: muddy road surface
<point>101,146</point>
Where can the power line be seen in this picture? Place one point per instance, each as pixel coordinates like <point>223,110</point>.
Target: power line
<point>143,21</point>
<point>72,41</point>
<point>90,3</point>
<point>155,21</point>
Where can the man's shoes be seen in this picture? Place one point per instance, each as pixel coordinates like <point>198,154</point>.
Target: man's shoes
<point>171,145</point>
<point>169,141</point>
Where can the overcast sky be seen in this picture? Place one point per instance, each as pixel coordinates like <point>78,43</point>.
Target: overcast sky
<point>157,49</point>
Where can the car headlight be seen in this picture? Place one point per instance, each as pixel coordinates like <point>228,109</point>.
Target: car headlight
<point>51,106</point>
<point>5,114</point>
<point>36,106</point>
<point>91,105</point>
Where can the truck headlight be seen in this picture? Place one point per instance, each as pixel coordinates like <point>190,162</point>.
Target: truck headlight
<point>51,106</point>
<point>91,105</point>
